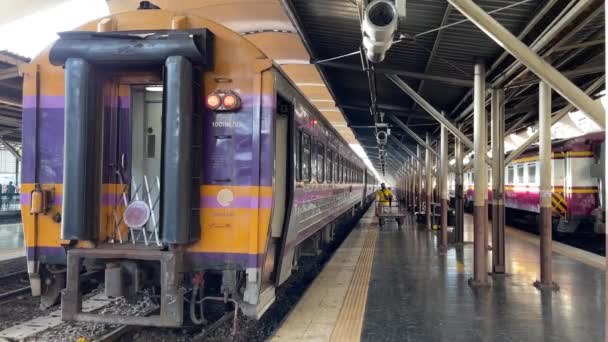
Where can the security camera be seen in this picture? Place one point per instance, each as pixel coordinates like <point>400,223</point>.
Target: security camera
<point>380,22</point>
<point>382,137</point>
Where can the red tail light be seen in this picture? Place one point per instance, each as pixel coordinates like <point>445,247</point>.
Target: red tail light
<point>213,101</point>
<point>223,101</point>
<point>230,101</point>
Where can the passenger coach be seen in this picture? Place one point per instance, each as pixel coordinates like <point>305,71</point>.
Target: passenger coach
<point>174,156</point>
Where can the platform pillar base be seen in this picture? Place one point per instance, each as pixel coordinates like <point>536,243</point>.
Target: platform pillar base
<point>546,287</point>
<point>477,283</point>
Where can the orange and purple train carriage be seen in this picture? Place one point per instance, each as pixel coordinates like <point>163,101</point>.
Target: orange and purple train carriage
<point>165,151</point>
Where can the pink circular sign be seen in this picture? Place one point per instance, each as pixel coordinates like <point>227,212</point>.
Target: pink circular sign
<point>137,214</point>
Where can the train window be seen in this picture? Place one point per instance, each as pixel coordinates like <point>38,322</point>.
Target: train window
<point>520,174</point>
<point>298,150</point>
<point>320,162</point>
<point>345,171</point>
<point>510,175</point>
<point>305,158</point>
<point>336,168</point>
<point>532,173</point>
<point>329,160</point>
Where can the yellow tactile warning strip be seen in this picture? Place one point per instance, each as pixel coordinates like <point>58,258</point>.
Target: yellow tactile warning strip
<point>315,315</point>
<point>577,254</point>
<point>350,321</point>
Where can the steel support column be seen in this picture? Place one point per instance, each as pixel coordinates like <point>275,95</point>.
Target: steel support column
<point>531,59</point>
<point>429,186</point>
<point>544,157</point>
<point>480,275</point>
<point>408,183</point>
<point>459,192</point>
<point>419,179</point>
<point>11,149</point>
<point>412,176</point>
<point>498,181</point>
<point>443,181</point>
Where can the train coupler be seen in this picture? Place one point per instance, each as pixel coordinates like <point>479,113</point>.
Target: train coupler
<point>171,298</point>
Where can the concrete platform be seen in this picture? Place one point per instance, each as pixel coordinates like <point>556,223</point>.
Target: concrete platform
<point>11,241</point>
<point>412,293</point>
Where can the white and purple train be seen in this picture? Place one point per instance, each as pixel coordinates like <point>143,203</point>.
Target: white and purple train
<point>577,182</point>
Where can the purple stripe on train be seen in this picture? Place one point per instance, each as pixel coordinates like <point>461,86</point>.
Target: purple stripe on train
<point>244,259</point>
<point>58,101</point>
<point>106,199</point>
<point>46,101</point>
<point>243,202</point>
<point>57,252</point>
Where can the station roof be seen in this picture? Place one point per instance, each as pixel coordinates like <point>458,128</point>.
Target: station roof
<point>10,96</point>
<point>437,57</point>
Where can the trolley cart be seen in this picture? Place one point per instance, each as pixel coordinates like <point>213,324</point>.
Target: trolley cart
<point>391,211</point>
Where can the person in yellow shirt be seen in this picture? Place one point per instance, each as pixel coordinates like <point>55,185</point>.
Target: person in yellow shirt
<point>384,195</point>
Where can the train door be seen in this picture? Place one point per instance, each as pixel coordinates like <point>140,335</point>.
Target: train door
<point>280,190</point>
<point>146,138</point>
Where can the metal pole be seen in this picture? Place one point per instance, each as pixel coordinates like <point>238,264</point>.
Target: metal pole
<point>544,157</point>
<point>480,275</point>
<point>414,181</point>
<point>532,60</point>
<point>429,185</point>
<point>419,181</point>
<point>443,176</point>
<point>417,189</point>
<point>408,181</point>
<point>412,175</point>
<point>459,192</point>
<point>498,179</point>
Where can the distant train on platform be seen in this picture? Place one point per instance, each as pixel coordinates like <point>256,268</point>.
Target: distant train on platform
<point>175,157</point>
<point>577,181</point>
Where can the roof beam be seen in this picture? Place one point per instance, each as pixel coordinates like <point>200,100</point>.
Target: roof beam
<point>430,109</point>
<point>580,45</point>
<point>10,148</point>
<point>406,149</point>
<point>554,118</point>
<point>402,110</point>
<point>411,133</point>
<point>583,70</point>
<point>9,73</point>
<point>409,74</point>
<point>429,62</point>
<point>10,101</point>
<point>531,59</point>
<point>538,44</point>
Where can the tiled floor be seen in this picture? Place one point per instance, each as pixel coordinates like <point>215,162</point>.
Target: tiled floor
<point>11,241</point>
<point>418,295</point>
<point>315,316</point>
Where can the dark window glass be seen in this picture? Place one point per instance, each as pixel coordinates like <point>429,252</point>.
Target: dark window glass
<point>510,175</point>
<point>320,163</point>
<point>329,160</point>
<point>305,158</point>
<point>520,174</point>
<point>532,173</point>
<point>151,145</point>
<point>298,149</point>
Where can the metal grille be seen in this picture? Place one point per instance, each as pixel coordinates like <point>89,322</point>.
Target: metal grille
<point>148,190</point>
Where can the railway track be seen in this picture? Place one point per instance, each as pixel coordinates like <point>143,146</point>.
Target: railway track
<point>14,293</point>
<point>12,274</point>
